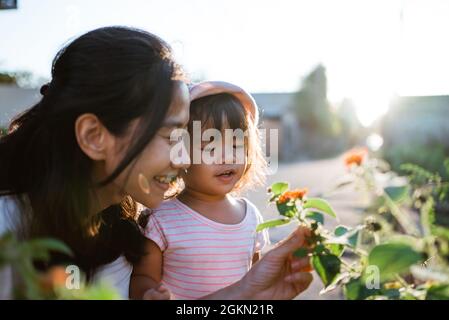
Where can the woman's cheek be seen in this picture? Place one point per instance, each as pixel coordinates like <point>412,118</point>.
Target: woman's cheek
<point>159,154</point>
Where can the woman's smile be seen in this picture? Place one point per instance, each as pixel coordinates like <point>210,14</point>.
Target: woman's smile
<point>164,182</point>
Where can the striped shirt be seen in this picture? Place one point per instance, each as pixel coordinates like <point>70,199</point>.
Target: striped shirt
<point>201,256</point>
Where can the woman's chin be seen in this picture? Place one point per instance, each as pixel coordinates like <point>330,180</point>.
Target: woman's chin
<point>150,201</point>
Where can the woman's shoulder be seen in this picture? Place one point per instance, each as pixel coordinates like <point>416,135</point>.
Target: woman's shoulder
<point>117,274</point>
<point>10,207</point>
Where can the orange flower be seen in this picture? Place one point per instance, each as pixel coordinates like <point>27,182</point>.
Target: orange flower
<point>292,195</point>
<point>54,277</point>
<point>355,156</point>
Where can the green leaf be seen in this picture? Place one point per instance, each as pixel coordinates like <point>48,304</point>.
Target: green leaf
<point>356,290</point>
<point>417,173</point>
<point>51,245</point>
<point>287,209</point>
<point>7,238</point>
<point>319,249</point>
<point>345,236</point>
<point>393,258</point>
<point>315,216</point>
<point>441,232</point>
<point>336,249</point>
<point>397,194</point>
<point>301,253</point>
<point>340,230</point>
<point>278,188</point>
<point>438,292</point>
<point>34,251</point>
<point>416,243</point>
<point>353,237</point>
<point>320,205</point>
<point>272,223</point>
<point>327,266</point>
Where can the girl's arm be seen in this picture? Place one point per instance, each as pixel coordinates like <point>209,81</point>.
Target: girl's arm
<point>147,274</point>
<point>277,275</point>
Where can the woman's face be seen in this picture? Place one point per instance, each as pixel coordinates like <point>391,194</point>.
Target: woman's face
<point>146,179</point>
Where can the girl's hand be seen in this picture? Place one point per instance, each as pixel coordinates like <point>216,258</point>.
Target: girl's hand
<point>159,293</point>
<point>279,275</point>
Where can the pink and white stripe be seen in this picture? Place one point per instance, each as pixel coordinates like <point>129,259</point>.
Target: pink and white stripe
<point>202,256</point>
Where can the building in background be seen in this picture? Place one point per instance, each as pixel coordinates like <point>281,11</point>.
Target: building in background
<point>8,4</point>
<point>14,100</point>
<point>276,110</point>
<point>416,130</point>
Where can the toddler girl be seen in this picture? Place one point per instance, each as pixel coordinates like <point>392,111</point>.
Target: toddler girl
<point>205,239</point>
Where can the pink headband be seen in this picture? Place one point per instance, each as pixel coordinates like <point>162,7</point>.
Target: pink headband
<point>208,88</point>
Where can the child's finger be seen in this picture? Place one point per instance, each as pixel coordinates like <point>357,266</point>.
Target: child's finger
<point>166,295</point>
<point>153,294</point>
<point>149,294</point>
<point>164,290</point>
<point>161,288</point>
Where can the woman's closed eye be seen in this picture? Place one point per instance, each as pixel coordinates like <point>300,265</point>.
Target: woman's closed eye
<point>172,138</point>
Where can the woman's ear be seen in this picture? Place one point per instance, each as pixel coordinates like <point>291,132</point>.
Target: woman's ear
<point>92,136</point>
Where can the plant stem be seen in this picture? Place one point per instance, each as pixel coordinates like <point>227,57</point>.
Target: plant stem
<point>400,216</point>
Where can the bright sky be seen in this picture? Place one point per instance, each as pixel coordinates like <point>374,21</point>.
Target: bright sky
<point>371,49</point>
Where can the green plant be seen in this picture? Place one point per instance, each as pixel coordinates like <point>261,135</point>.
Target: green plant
<point>429,156</point>
<point>430,189</point>
<point>21,255</point>
<point>389,255</point>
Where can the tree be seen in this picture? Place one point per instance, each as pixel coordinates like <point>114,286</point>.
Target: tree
<point>318,123</point>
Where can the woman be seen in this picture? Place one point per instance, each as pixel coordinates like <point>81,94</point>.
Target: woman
<point>74,166</point>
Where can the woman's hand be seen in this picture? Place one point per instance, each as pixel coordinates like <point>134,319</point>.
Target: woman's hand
<point>279,275</point>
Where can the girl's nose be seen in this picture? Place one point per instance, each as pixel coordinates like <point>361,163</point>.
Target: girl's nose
<point>228,155</point>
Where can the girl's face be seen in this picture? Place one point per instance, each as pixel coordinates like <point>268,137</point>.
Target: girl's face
<point>146,179</point>
<point>217,179</point>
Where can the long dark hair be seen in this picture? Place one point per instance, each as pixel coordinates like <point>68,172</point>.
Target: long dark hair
<point>118,74</point>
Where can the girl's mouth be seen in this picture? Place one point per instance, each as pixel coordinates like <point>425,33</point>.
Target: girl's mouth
<point>226,176</point>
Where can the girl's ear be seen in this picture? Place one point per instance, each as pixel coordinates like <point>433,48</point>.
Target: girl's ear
<point>93,137</point>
